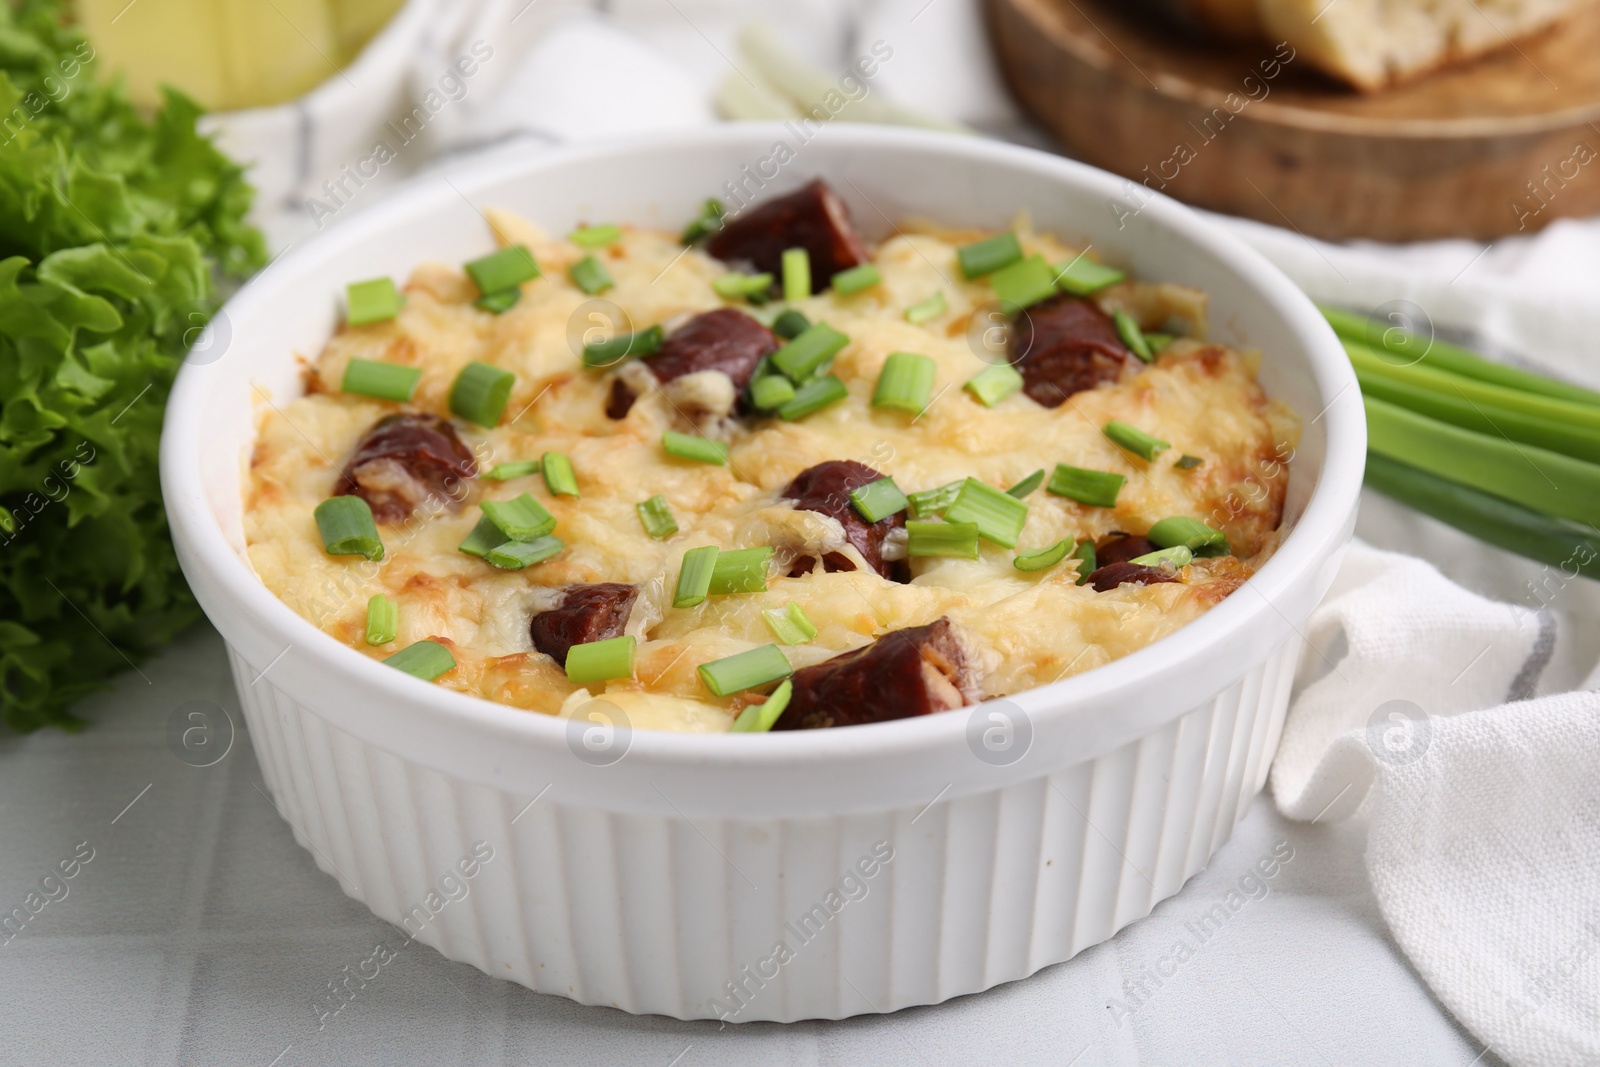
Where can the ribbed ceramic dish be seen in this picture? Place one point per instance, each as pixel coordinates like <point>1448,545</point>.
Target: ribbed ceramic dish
<point>815,874</point>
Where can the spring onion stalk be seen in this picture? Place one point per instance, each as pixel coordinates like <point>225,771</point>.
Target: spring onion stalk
<point>694,576</point>
<point>1132,336</point>
<point>957,539</point>
<point>623,346</point>
<point>1083,276</point>
<point>520,519</point>
<point>927,310</point>
<point>813,396</point>
<point>735,286</point>
<point>1187,462</point>
<point>1087,561</point>
<point>804,356</point>
<point>796,264</point>
<point>1044,558</point>
<point>1157,341</point>
<point>708,222</point>
<point>590,275</point>
<point>994,383</point>
<point>759,718</point>
<point>484,538</point>
<point>790,323</point>
<point>601,661</point>
<point>559,476</point>
<point>1134,439</point>
<point>1439,355</point>
<point>383,620</point>
<point>1022,284</point>
<point>771,392</point>
<point>498,303</point>
<point>905,383</point>
<point>504,472</point>
<point>424,659</point>
<point>656,516</point>
<point>515,555</point>
<point>879,499</point>
<point>745,670</point>
<point>372,301</point>
<point>856,279</point>
<point>989,255</point>
<point>1534,477</point>
<point>595,236</point>
<point>1177,556</point>
<point>933,502</point>
<point>1573,547</point>
<point>790,624</point>
<point>998,515</point>
<point>698,449</point>
<point>1027,485</point>
<point>385,381</point>
<point>480,392</point>
<point>740,570</point>
<point>1097,489</point>
<point>1192,534</point>
<point>347,529</point>
<point>505,269</point>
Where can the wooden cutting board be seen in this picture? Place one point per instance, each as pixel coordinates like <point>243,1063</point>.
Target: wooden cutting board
<point>1501,145</point>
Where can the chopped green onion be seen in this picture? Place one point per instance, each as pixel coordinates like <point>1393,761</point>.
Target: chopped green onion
<point>386,381</point>
<point>1022,284</point>
<point>1192,534</point>
<point>1044,558</point>
<point>515,555</point>
<point>1096,488</point>
<point>856,279</point>
<point>520,519</point>
<point>746,670</point>
<point>1187,462</point>
<point>931,502</point>
<point>925,310</point>
<point>484,538</point>
<point>771,392</point>
<point>813,396</point>
<point>879,499</point>
<point>796,274</point>
<point>657,518</point>
<point>1083,276</point>
<point>590,275</point>
<point>740,570</point>
<point>595,236</point>
<point>708,222</point>
<point>994,383</point>
<point>1177,555</point>
<point>1132,336</point>
<point>600,661</point>
<point>791,324</point>
<point>369,302</point>
<point>699,449</point>
<point>8,521</point>
<point>989,255</point>
<point>616,349</point>
<point>905,383</point>
<point>383,620</point>
<point>559,477</point>
<point>505,269</point>
<point>789,624</point>
<point>480,392</point>
<point>959,539</point>
<point>802,357</point>
<point>1134,439</point>
<point>759,718</point>
<point>1157,341</point>
<point>504,472</point>
<point>694,576</point>
<point>422,659</point>
<point>498,303</point>
<point>1027,485</point>
<point>1087,560</point>
<point>998,515</point>
<point>734,286</point>
<point>347,529</point>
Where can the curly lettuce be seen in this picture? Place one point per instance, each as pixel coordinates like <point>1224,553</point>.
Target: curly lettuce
<point>116,231</point>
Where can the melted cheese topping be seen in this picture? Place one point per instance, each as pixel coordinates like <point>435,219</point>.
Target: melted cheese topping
<point>1024,628</point>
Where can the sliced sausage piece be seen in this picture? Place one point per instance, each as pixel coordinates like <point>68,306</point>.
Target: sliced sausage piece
<point>723,340</point>
<point>1112,575</point>
<point>586,613</point>
<point>916,671</point>
<point>812,217</point>
<point>1120,547</point>
<point>826,489</point>
<point>404,460</point>
<point>1063,346</point>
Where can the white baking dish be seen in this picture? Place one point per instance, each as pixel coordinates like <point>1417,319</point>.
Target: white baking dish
<point>1021,831</point>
